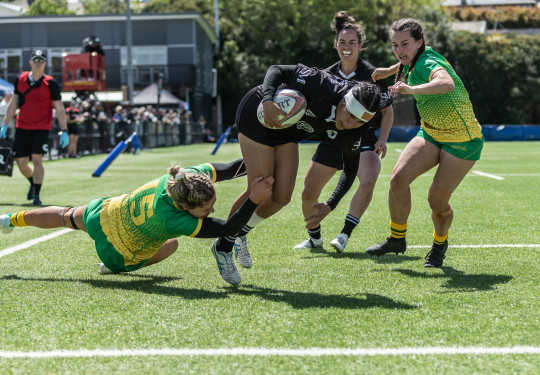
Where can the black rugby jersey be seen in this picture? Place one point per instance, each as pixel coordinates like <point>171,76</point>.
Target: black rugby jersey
<point>363,73</point>
<point>323,92</point>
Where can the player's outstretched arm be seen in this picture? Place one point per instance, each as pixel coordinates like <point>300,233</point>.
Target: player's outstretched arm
<point>228,171</point>
<point>261,189</point>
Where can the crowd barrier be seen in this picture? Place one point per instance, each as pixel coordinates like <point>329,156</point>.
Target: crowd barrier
<point>491,133</point>
<point>102,137</point>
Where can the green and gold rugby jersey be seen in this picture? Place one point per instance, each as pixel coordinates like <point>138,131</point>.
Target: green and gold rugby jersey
<point>445,117</point>
<point>137,224</point>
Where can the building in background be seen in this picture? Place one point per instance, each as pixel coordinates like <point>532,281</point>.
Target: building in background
<point>178,47</point>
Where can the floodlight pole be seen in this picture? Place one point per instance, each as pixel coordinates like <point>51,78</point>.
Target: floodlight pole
<point>129,43</point>
<point>160,89</point>
<point>219,115</point>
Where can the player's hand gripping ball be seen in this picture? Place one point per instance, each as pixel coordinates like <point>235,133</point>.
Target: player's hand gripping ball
<point>291,102</point>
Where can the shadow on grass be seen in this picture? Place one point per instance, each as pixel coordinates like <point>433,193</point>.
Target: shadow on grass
<point>459,280</point>
<point>138,283</point>
<point>387,259</point>
<point>298,300</point>
<point>307,300</point>
<point>31,205</point>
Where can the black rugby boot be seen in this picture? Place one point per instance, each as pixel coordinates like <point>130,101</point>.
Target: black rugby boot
<point>436,255</point>
<point>30,194</point>
<point>390,245</point>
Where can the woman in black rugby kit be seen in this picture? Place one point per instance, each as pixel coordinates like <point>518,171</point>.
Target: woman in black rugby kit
<point>350,38</point>
<point>336,109</point>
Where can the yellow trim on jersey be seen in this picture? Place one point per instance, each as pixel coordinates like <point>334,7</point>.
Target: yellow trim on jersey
<point>196,231</point>
<point>433,71</point>
<point>199,225</point>
<point>17,219</point>
<point>214,173</point>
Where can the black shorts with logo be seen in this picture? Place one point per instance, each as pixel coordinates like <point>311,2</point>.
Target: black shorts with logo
<point>329,153</point>
<point>28,142</point>
<point>249,125</point>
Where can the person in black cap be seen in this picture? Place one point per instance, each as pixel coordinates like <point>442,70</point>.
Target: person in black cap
<point>36,94</point>
<point>92,44</point>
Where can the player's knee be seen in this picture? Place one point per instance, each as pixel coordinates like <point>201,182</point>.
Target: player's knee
<point>172,244</point>
<point>282,198</point>
<point>37,162</point>
<point>309,195</point>
<point>438,201</point>
<point>368,184</point>
<point>398,181</point>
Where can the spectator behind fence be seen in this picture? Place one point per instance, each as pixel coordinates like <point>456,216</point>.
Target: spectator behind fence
<point>92,44</point>
<point>74,121</point>
<point>120,124</point>
<point>3,107</point>
<point>102,119</point>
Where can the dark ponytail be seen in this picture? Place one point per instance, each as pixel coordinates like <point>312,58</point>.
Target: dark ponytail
<point>342,21</point>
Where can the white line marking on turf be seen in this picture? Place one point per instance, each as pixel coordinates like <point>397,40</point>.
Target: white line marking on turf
<point>33,242</point>
<point>479,246</point>
<point>253,352</point>
<point>487,175</point>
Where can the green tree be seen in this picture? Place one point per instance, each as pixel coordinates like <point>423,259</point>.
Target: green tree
<point>104,6</point>
<point>255,34</point>
<point>48,7</point>
<point>502,79</point>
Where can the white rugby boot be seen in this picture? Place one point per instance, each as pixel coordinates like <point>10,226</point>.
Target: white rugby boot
<point>309,243</point>
<point>103,270</point>
<point>227,268</point>
<point>4,224</point>
<point>241,252</point>
<point>339,242</point>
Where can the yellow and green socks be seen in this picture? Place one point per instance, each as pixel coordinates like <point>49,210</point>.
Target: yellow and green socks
<point>398,230</point>
<point>16,219</point>
<point>439,240</point>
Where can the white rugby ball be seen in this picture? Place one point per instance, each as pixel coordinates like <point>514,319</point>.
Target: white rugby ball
<point>291,102</point>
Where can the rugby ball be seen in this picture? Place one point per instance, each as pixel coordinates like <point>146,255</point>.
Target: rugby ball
<point>290,101</point>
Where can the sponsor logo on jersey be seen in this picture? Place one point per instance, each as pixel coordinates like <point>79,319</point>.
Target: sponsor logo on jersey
<point>332,117</point>
<point>335,79</point>
<point>309,113</point>
<point>332,134</point>
<point>304,72</point>
<point>385,96</point>
<point>302,125</point>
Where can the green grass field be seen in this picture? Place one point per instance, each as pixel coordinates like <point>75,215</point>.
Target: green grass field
<point>296,312</point>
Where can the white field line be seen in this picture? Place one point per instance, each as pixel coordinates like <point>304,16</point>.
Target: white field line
<point>27,244</point>
<point>262,352</point>
<point>35,241</point>
<point>483,174</point>
<point>477,246</point>
<point>498,177</point>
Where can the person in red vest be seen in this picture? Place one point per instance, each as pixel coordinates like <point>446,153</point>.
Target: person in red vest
<point>36,94</point>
